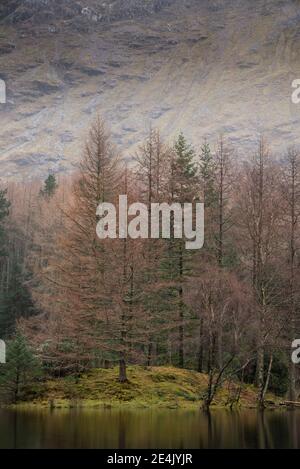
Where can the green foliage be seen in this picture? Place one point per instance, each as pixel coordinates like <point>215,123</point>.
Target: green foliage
<point>184,171</point>
<point>176,263</point>
<point>15,300</point>
<point>208,177</point>
<point>50,186</point>
<point>165,387</point>
<point>4,205</point>
<point>20,370</point>
<point>279,377</point>
<point>4,210</point>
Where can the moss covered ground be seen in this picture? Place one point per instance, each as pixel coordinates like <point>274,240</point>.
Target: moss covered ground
<point>165,387</point>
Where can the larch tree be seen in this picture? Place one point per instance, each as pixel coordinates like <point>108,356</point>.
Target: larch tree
<point>259,213</point>
<point>75,332</point>
<point>291,200</point>
<point>223,187</point>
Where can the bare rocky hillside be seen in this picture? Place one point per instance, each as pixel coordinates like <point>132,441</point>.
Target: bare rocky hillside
<point>200,66</point>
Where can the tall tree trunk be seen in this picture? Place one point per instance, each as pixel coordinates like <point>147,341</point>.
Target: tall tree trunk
<point>200,348</point>
<point>221,207</point>
<point>258,274</point>
<point>122,369</point>
<point>265,385</point>
<point>149,355</point>
<point>181,310</point>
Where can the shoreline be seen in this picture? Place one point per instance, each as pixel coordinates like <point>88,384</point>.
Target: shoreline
<point>160,388</point>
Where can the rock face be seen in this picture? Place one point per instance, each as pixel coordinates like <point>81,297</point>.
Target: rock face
<point>46,11</point>
<point>202,66</point>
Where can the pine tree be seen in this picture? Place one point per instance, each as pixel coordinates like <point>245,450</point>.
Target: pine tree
<point>4,210</point>
<point>153,161</point>
<point>185,171</point>
<point>16,300</point>
<point>50,186</point>
<point>184,188</point>
<point>20,370</point>
<point>208,176</point>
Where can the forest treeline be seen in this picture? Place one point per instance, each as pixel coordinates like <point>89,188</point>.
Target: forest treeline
<point>70,301</point>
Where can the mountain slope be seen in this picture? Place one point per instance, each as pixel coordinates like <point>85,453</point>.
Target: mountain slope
<point>201,66</point>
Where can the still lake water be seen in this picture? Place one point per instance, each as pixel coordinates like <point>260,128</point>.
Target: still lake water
<point>161,429</point>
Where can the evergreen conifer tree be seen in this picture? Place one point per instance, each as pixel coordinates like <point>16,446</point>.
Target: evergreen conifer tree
<point>208,176</point>
<point>21,368</point>
<point>50,186</point>
<point>184,188</point>
<point>4,210</point>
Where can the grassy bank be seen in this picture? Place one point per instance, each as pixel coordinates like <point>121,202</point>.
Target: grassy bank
<point>164,387</point>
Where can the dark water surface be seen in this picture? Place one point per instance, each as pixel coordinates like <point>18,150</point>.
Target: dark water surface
<point>159,429</point>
